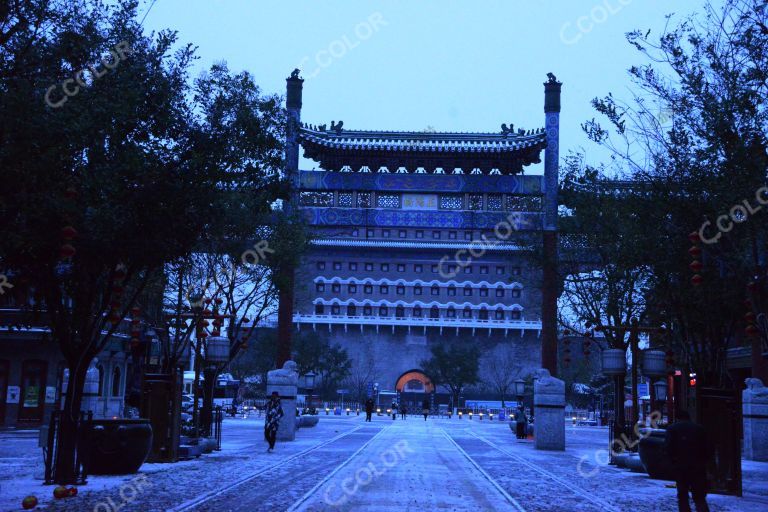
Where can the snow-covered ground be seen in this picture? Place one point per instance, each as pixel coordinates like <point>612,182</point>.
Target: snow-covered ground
<point>347,464</point>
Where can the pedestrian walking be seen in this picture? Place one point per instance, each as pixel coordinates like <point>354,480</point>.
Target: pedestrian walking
<point>403,411</point>
<point>686,443</point>
<point>368,409</point>
<point>425,408</point>
<point>274,411</point>
<point>394,410</point>
<point>521,423</point>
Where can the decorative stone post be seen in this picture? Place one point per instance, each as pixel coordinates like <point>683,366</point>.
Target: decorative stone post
<point>549,412</point>
<point>550,284</point>
<point>755,408</point>
<point>286,382</point>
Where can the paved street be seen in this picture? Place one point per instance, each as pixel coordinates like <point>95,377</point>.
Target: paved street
<point>346,464</point>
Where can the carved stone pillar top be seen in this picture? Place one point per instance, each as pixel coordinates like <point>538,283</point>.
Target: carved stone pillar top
<point>285,376</point>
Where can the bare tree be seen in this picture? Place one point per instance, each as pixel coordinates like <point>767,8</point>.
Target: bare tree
<point>502,368</point>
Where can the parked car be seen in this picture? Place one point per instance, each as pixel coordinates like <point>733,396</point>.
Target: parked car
<point>187,402</point>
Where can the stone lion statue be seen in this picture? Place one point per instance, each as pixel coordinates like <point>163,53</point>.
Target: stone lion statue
<point>287,375</point>
<point>755,388</point>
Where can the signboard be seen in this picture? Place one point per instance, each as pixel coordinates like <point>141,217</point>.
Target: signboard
<point>31,396</point>
<point>643,392</point>
<point>12,395</point>
<point>419,201</point>
<point>50,395</point>
<point>342,391</point>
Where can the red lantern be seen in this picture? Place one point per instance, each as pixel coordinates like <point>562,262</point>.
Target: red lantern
<point>696,280</point>
<point>203,335</point>
<point>68,233</point>
<point>135,310</point>
<point>245,320</point>
<point>696,266</point>
<point>693,236</point>
<point>60,492</point>
<point>29,503</point>
<point>67,251</point>
<point>752,330</point>
<point>695,251</point>
<point>749,317</point>
<point>219,300</point>
<point>207,301</point>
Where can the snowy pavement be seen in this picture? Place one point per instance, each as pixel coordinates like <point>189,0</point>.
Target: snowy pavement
<point>346,464</point>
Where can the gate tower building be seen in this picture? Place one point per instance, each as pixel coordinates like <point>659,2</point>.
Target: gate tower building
<point>423,238</point>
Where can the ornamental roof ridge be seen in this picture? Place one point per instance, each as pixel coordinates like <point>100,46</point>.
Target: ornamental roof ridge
<point>324,133</point>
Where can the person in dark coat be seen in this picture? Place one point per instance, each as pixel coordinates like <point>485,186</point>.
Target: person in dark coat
<point>368,409</point>
<point>686,443</point>
<point>425,408</point>
<point>521,423</point>
<point>394,410</point>
<point>403,411</point>
<point>272,420</point>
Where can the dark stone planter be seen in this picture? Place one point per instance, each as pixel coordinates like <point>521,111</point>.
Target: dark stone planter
<point>654,456</point>
<point>118,447</point>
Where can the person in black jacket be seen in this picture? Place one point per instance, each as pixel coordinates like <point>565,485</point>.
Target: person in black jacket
<point>368,409</point>
<point>687,446</point>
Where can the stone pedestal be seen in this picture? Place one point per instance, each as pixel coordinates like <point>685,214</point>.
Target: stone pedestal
<point>549,412</point>
<point>285,381</point>
<point>755,409</point>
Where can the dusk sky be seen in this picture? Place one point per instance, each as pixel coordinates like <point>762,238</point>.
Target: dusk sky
<point>443,65</point>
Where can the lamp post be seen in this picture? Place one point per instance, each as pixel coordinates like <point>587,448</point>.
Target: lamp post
<point>309,383</point>
<point>655,367</point>
<point>519,385</point>
<point>614,365</point>
<point>519,388</point>
<point>200,316</point>
<point>634,330</point>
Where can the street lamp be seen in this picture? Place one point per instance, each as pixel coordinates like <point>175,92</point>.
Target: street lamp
<point>614,364</point>
<point>655,367</point>
<point>519,385</point>
<point>309,383</point>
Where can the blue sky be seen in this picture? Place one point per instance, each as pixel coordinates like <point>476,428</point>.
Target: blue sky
<point>451,65</point>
